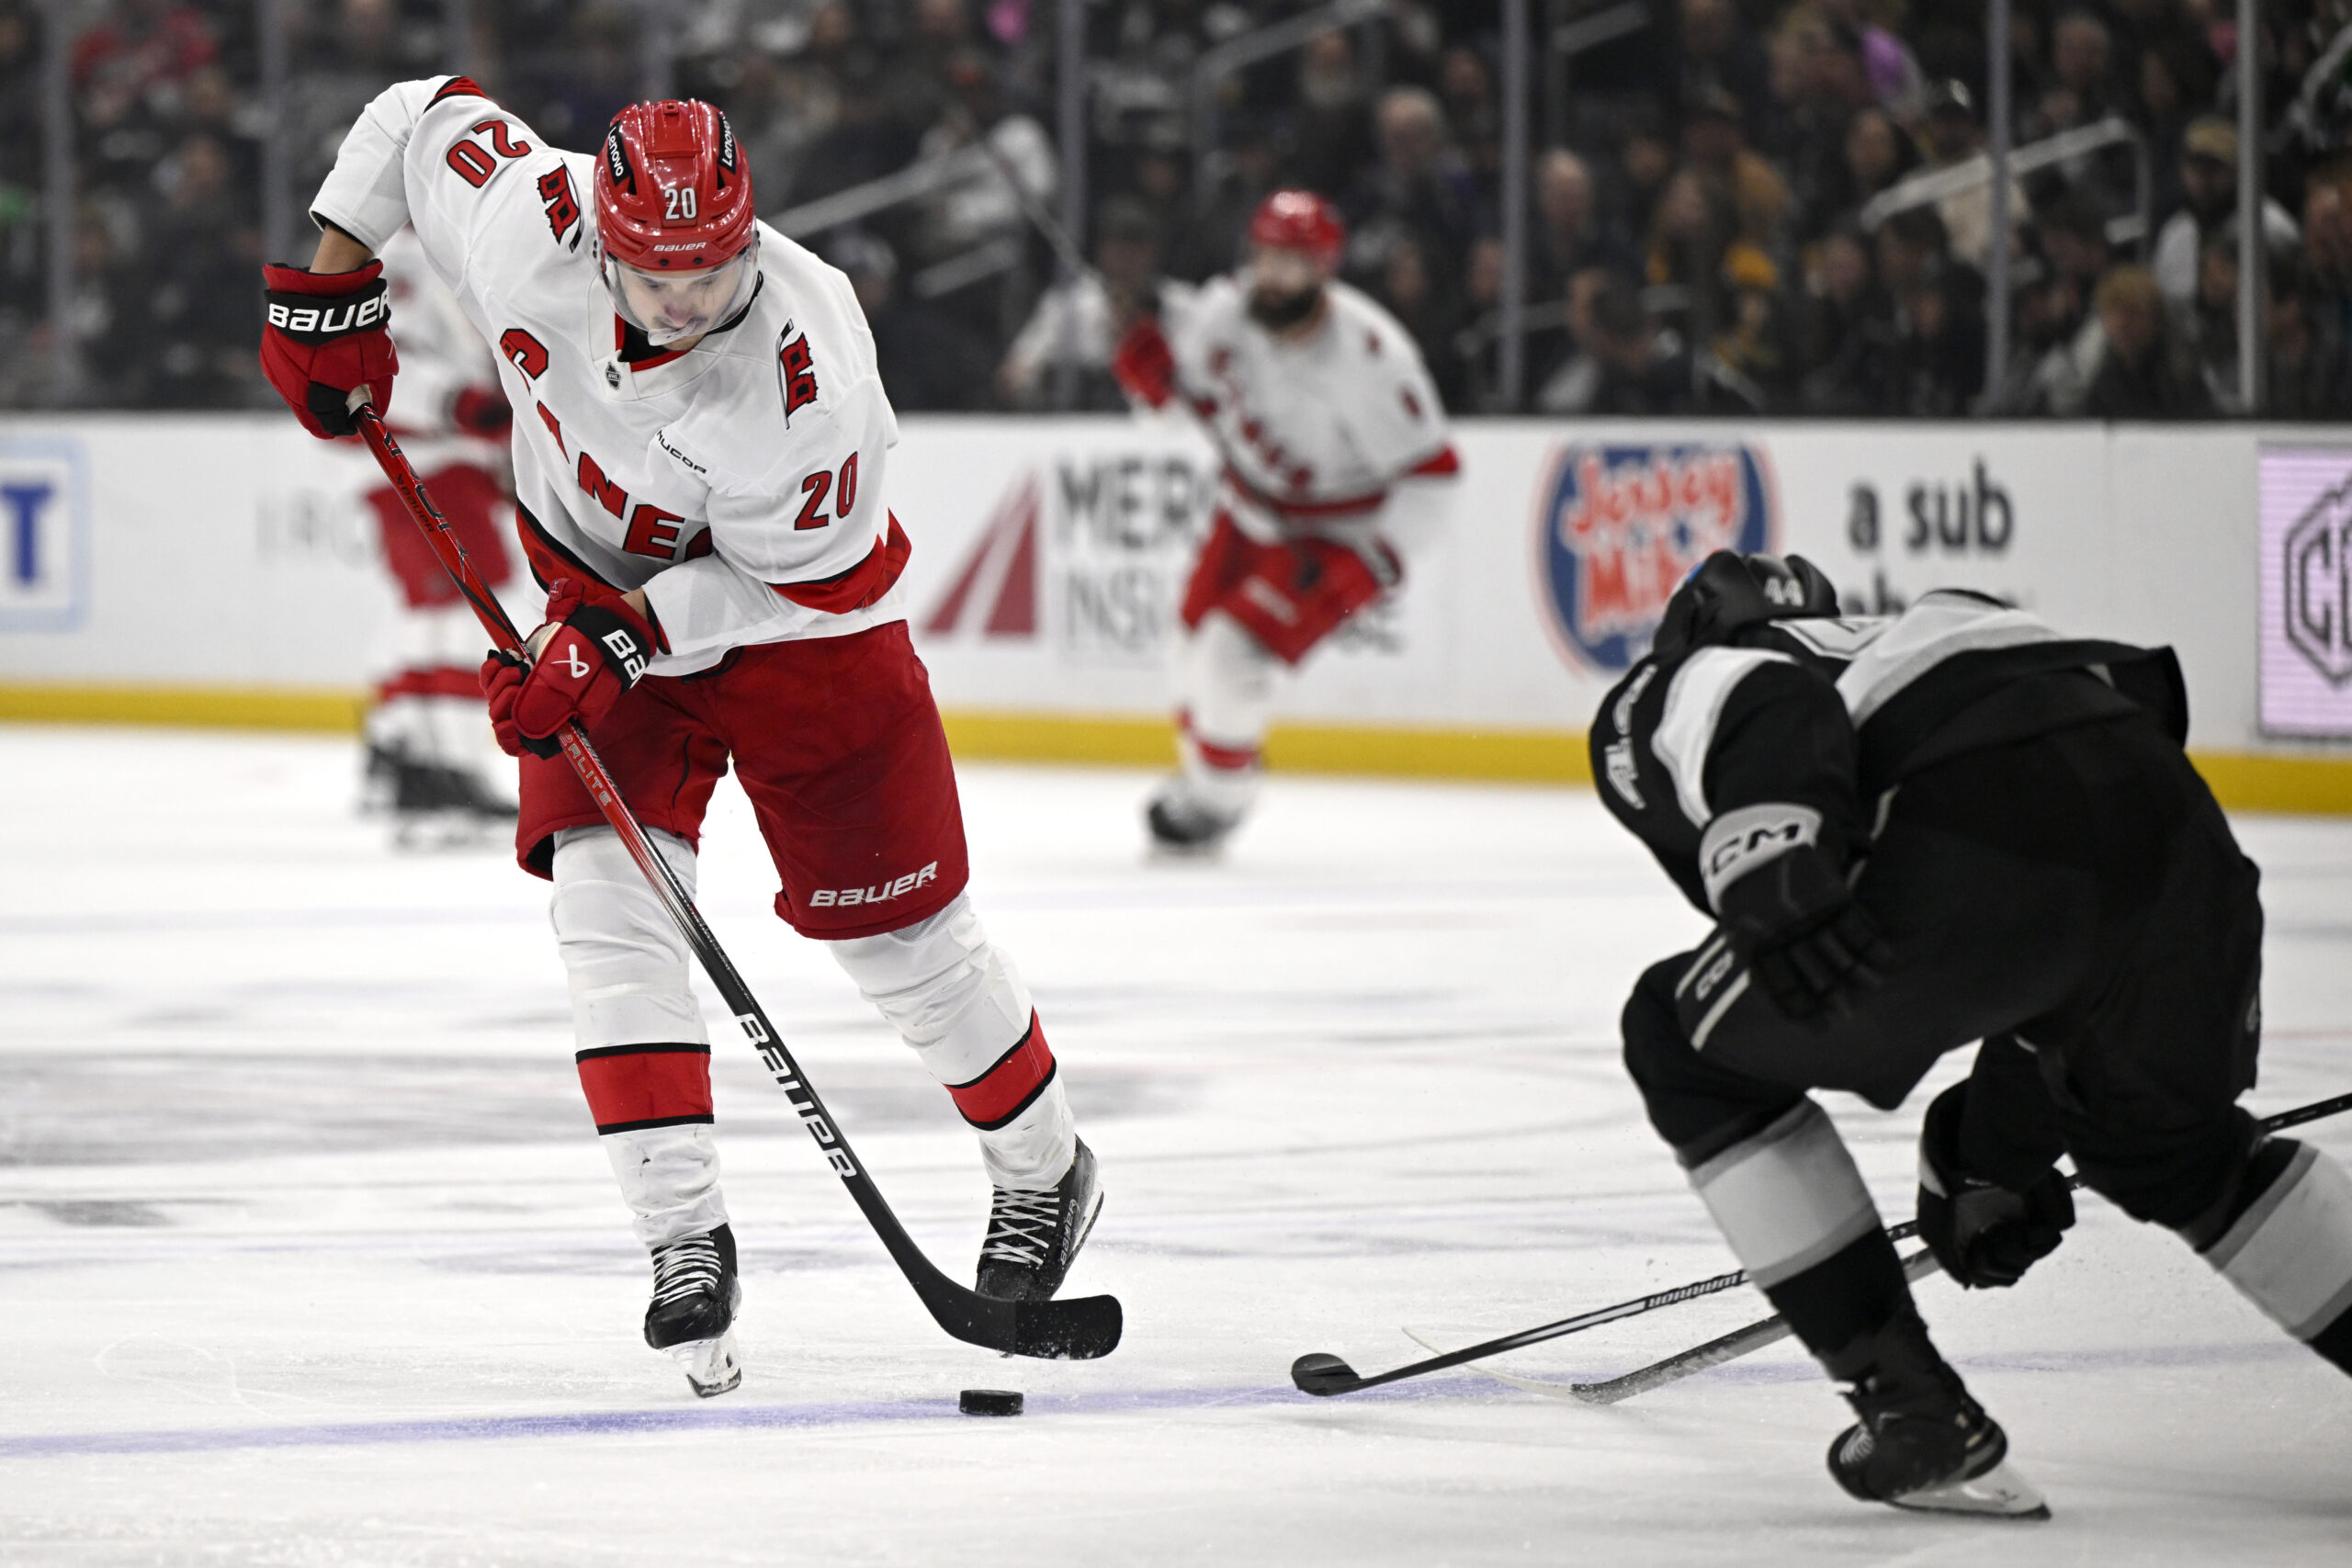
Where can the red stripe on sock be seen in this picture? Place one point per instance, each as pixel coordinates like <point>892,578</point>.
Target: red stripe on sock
<point>997,1095</point>
<point>645,1083</point>
<point>1232,759</point>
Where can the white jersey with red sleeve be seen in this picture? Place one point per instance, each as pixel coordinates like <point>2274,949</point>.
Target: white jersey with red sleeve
<point>738,483</point>
<point>442,356</point>
<point>1339,434</point>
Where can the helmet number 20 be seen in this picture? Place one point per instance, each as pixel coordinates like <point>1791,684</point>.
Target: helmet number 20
<point>681,204</point>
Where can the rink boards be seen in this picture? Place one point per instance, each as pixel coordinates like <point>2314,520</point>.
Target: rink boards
<point>222,569</point>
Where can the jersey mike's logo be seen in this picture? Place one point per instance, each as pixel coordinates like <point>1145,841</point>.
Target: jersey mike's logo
<point>1618,525</point>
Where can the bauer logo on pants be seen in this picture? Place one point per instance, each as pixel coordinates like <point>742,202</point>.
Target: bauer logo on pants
<point>44,533</point>
<point>881,893</point>
<point>1619,526</point>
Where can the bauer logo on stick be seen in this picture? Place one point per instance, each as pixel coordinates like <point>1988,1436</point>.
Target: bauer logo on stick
<point>1618,526</point>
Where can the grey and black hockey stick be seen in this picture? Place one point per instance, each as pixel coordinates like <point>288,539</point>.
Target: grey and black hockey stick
<point>1070,1330</point>
<point>1324,1375</point>
<point>1772,1330</point>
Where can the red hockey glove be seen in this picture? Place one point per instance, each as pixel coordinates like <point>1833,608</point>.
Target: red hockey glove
<point>502,679</point>
<point>1806,941</point>
<point>483,411</point>
<point>591,651</point>
<point>1984,1234</point>
<point>325,333</point>
<point>1143,365</point>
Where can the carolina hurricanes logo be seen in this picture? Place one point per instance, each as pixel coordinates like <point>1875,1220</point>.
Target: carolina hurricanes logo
<point>795,370</point>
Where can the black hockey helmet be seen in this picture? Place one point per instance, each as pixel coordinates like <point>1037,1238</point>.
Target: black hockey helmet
<point>1727,591</point>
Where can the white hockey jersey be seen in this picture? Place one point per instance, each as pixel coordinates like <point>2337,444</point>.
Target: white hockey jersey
<point>1330,434</point>
<point>738,483</point>
<point>441,354</point>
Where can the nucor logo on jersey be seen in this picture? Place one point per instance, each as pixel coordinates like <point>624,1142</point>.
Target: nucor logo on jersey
<point>1621,525</point>
<point>329,320</point>
<point>842,897</point>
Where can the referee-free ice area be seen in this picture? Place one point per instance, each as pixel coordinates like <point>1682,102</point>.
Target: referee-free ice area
<point>311,1256</point>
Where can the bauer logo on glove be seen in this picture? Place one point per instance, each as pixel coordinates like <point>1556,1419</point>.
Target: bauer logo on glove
<point>324,335</point>
<point>587,656</point>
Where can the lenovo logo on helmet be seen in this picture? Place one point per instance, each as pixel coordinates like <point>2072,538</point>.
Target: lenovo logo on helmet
<point>617,163</point>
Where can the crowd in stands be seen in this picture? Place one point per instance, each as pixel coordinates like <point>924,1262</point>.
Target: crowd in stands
<point>1724,212</point>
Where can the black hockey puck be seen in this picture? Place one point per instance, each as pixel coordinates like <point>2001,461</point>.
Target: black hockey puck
<point>989,1401</point>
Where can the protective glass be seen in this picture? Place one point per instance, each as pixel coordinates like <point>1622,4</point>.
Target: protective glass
<point>667,306</point>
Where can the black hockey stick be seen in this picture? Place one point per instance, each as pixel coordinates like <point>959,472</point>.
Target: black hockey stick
<point>1324,1375</point>
<point>1770,1330</point>
<point>1072,1330</point>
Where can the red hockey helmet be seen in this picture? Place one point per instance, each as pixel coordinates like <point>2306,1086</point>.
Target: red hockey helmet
<point>1299,221</point>
<point>673,196</point>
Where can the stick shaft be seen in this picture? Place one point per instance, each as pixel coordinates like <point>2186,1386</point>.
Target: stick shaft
<point>962,1312</point>
<point>1721,1282</point>
<point>1918,1265</point>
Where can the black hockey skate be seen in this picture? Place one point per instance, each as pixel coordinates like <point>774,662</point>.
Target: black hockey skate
<point>1182,826</point>
<point>692,1312</point>
<point>1922,1443</point>
<point>1034,1236</point>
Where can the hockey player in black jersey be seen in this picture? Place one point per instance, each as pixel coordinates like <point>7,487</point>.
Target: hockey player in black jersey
<point>1916,832</point>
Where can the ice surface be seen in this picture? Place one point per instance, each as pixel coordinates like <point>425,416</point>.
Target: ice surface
<point>308,1255</point>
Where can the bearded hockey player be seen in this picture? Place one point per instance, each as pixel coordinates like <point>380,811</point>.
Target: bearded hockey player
<point>1916,832</point>
<point>429,746</point>
<point>701,443</point>
<point>1337,465</point>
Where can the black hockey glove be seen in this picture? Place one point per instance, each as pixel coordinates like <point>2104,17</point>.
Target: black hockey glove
<point>1985,1236</point>
<point>1796,924</point>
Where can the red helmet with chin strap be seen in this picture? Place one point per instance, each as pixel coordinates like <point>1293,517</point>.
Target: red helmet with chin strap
<point>674,191</point>
<point>1299,221</point>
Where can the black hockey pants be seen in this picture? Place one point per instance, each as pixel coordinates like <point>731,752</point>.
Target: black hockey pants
<point>2078,894</point>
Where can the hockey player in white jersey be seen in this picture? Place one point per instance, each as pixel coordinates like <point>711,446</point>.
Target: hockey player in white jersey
<point>1337,465</point>
<point>701,443</point>
<point>431,759</point>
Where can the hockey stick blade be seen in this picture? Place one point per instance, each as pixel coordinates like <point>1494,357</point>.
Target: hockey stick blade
<point>1324,1375</point>
<point>1073,1330</point>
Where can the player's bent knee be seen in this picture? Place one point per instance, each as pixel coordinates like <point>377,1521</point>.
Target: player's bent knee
<point>624,956</point>
<point>1696,1106</point>
<point>945,987</point>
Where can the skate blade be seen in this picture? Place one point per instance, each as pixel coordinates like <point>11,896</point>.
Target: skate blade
<point>1999,1493</point>
<point>447,832</point>
<point>711,1366</point>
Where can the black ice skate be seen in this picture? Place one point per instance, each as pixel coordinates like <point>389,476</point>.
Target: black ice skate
<point>1183,825</point>
<point>1034,1236</point>
<point>1922,1443</point>
<point>692,1312</point>
<point>434,806</point>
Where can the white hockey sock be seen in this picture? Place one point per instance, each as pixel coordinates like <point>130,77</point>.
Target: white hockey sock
<point>1224,691</point>
<point>644,1057</point>
<point>1787,1197</point>
<point>958,1001</point>
<point>2290,1252</point>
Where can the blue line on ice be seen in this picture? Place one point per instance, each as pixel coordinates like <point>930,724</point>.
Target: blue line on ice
<point>693,1418</point>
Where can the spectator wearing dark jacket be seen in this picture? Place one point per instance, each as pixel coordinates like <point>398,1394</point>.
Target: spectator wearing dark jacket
<point>2143,374</point>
